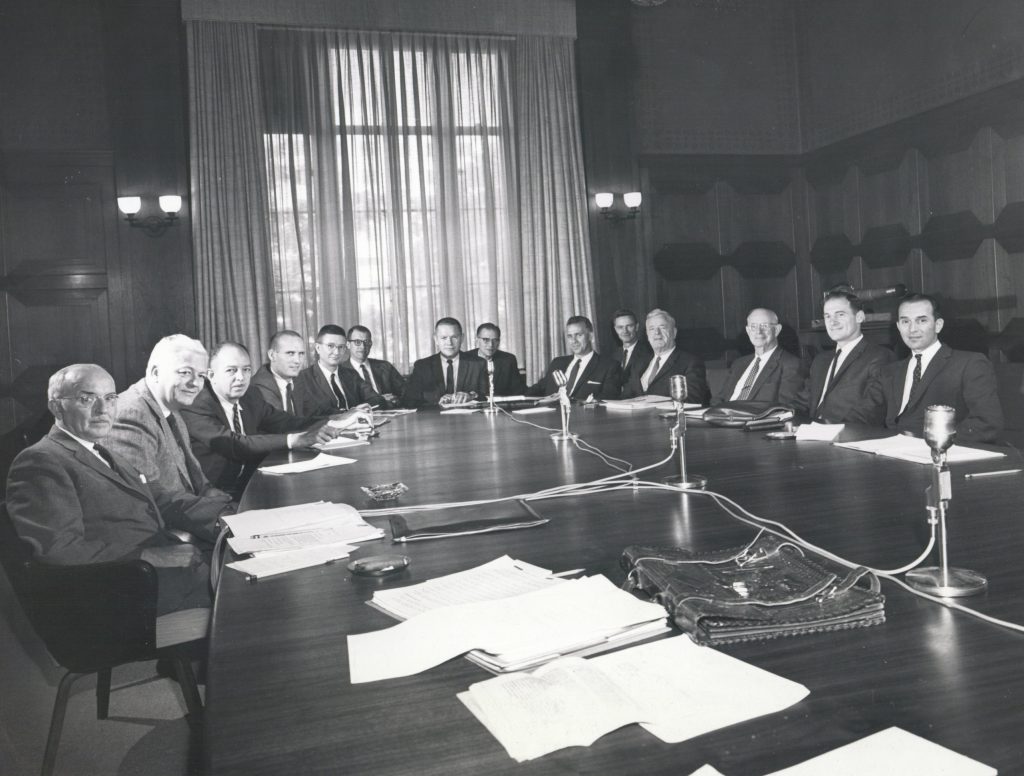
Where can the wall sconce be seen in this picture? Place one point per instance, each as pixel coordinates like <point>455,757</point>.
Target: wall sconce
<point>631,199</point>
<point>153,225</point>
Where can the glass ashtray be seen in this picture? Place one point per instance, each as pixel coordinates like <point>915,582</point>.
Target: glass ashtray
<point>386,492</point>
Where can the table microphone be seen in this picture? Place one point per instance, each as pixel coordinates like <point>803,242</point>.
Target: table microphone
<point>490,409</point>
<point>939,431</point>
<point>564,405</point>
<point>677,388</point>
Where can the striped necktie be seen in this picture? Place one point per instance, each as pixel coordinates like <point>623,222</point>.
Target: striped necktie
<point>748,384</point>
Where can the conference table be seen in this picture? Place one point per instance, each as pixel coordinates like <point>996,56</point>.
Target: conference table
<point>279,699</point>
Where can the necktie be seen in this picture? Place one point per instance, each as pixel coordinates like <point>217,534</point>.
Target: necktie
<point>917,373</point>
<point>339,395</point>
<point>625,357</point>
<point>748,384</point>
<point>368,377</point>
<point>574,373</point>
<point>829,377</point>
<point>105,455</point>
<point>449,378</point>
<point>645,382</point>
<point>290,394</point>
<point>236,419</point>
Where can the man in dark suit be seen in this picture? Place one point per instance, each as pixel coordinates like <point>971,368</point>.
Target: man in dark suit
<point>589,375</point>
<point>232,428</point>
<point>503,366</point>
<point>275,380</point>
<point>324,388</point>
<point>837,387</point>
<point>74,502</point>
<point>449,376</point>
<point>150,432</point>
<point>937,374</point>
<point>769,374</point>
<point>633,351</point>
<point>654,376</point>
<point>381,375</point>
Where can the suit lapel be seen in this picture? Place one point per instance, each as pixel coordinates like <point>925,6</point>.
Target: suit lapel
<point>937,364</point>
<point>767,369</point>
<point>851,357</point>
<point>87,459</point>
<point>168,433</point>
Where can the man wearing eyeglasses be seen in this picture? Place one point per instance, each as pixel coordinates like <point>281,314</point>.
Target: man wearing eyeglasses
<point>769,374</point>
<point>380,375</point>
<point>324,388</point>
<point>503,366</point>
<point>149,431</point>
<point>75,502</point>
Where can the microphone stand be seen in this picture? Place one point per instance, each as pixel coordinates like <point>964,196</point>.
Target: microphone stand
<point>677,435</point>
<point>490,409</point>
<point>564,408</point>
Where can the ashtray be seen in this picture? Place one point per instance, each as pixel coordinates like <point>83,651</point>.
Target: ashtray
<point>386,492</point>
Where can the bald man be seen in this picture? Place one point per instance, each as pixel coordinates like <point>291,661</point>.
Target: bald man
<point>769,374</point>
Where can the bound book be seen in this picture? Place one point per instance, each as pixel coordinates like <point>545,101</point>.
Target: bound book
<point>768,588</point>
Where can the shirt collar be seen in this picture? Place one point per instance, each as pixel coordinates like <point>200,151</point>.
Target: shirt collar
<point>228,407</point>
<point>159,403</point>
<point>90,446</point>
<point>327,372</point>
<point>929,351</point>
<point>850,345</point>
<point>767,354</point>
<point>664,356</point>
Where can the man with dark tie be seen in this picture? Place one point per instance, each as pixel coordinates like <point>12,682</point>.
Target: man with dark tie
<point>150,432</point>
<point>275,380</point>
<point>667,360</point>
<point>379,374</point>
<point>770,374</point>
<point>324,388</point>
<point>75,502</point>
<point>633,352</point>
<point>501,367</point>
<point>589,375</point>
<point>232,428</point>
<point>937,374</point>
<point>837,387</point>
<point>449,376</point>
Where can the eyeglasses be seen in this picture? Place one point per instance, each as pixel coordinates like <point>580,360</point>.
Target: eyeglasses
<point>332,346</point>
<point>761,327</point>
<point>188,375</point>
<point>361,342</point>
<point>86,400</point>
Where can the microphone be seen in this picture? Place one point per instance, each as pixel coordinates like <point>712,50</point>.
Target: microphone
<point>871,294</point>
<point>939,430</point>
<point>677,388</point>
<point>490,366</point>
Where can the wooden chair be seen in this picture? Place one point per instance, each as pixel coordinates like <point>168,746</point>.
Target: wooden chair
<point>95,617</point>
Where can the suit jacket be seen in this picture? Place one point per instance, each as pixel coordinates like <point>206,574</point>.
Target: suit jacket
<point>426,383</point>
<point>388,379</point>
<point>314,397</point>
<point>143,435</point>
<point>264,382</point>
<point>847,400</point>
<point>601,378</point>
<point>960,379</point>
<point>678,363</point>
<point>507,380</point>
<point>228,458</point>
<point>641,355</point>
<point>73,509</point>
<point>780,380</point>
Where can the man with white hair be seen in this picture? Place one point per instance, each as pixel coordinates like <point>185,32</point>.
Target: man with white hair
<point>150,432</point>
<point>74,502</point>
<point>769,374</point>
<point>667,360</point>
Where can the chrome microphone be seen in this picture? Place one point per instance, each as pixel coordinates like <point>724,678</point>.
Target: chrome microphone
<point>939,430</point>
<point>677,388</point>
<point>490,366</point>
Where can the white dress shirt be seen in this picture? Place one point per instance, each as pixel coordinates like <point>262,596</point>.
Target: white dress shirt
<point>583,361</point>
<point>926,358</point>
<point>650,373</point>
<point>830,374</point>
<point>743,377</point>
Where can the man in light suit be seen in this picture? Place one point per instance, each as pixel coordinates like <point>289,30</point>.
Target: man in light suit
<point>633,351</point>
<point>770,374</point>
<point>233,428</point>
<point>275,380</point>
<point>324,388</point>
<point>449,376</point>
<point>381,375</point>
<point>837,387</point>
<point>74,502</point>
<point>937,374</point>
<point>589,375</point>
<point>654,377</point>
<point>504,366</point>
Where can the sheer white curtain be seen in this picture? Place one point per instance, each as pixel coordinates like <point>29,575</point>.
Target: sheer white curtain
<point>412,176</point>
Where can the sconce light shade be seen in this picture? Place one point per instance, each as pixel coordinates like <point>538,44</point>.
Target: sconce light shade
<point>170,203</point>
<point>604,199</point>
<point>129,205</point>
<point>632,199</point>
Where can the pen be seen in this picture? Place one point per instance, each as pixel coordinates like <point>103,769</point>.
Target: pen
<point>997,473</point>
<point>328,562</point>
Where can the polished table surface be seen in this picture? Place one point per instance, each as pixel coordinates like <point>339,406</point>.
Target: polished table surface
<point>279,698</point>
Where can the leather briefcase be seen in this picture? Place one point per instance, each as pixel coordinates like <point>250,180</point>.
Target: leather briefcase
<point>749,415</point>
<point>762,590</point>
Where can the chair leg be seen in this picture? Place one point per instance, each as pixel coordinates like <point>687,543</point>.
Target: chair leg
<point>60,705</point>
<point>102,693</point>
<point>187,683</point>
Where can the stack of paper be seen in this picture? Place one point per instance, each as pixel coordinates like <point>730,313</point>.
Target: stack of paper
<point>645,402</point>
<point>295,537</point>
<point>916,450</point>
<point>819,432</point>
<point>340,442</point>
<point>322,461</point>
<point>511,633</point>
<point>675,689</point>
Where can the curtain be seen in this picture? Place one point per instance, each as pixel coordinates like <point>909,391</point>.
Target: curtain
<point>411,176</point>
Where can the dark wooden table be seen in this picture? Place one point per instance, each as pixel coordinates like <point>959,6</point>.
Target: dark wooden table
<point>279,697</point>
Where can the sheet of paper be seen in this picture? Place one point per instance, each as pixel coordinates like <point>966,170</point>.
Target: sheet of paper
<point>322,461</point>
<point>297,540</point>
<point>500,578</point>
<point>265,522</point>
<point>546,621</point>
<point>890,751</point>
<point>459,411</point>
<point>532,410</point>
<point>707,770</point>
<point>341,442</point>
<point>819,432</point>
<point>916,450</point>
<point>499,399</point>
<point>271,563</point>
